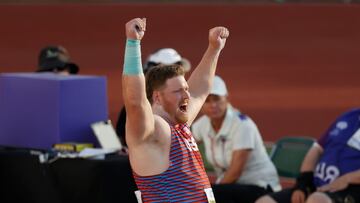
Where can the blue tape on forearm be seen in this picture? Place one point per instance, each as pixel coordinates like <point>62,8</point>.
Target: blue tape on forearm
<point>132,58</point>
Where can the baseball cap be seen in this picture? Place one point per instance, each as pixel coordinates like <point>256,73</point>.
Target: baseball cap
<point>56,58</point>
<point>218,87</point>
<point>167,56</point>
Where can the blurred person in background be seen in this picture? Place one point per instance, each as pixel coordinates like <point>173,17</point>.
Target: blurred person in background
<point>330,172</point>
<point>235,149</point>
<point>56,59</point>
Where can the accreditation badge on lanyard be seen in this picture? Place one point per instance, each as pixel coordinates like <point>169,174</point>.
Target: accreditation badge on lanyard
<point>210,195</point>
<point>138,196</point>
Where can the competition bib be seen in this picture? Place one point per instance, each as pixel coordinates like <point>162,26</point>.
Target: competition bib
<point>210,195</point>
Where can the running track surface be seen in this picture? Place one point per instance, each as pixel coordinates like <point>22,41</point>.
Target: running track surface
<point>292,68</point>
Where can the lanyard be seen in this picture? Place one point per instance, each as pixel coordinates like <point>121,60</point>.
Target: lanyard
<point>213,149</point>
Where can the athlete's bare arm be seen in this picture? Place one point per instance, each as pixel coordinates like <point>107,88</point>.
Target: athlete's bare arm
<point>140,119</point>
<point>142,126</point>
<point>201,79</point>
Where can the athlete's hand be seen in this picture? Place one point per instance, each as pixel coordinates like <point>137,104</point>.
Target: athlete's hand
<point>218,36</point>
<point>135,28</point>
<point>298,196</point>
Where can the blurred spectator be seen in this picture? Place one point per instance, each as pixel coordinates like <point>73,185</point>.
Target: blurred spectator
<point>235,149</point>
<point>331,167</point>
<point>164,56</point>
<point>56,59</point>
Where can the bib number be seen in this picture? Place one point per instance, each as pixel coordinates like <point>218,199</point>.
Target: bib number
<point>138,196</point>
<point>210,195</point>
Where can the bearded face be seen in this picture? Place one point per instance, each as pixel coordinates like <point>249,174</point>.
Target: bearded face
<point>174,98</point>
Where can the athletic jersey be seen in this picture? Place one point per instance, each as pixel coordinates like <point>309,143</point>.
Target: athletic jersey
<point>185,180</point>
<point>341,144</point>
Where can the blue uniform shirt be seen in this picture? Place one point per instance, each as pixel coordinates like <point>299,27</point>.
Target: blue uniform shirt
<point>341,144</point>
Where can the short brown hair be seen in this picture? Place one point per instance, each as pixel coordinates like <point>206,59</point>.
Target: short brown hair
<point>157,76</point>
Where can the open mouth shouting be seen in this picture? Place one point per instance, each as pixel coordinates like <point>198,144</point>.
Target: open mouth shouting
<point>183,107</point>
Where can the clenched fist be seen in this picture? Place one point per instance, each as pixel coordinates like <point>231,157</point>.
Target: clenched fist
<point>135,28</point>
<point>218,36</point>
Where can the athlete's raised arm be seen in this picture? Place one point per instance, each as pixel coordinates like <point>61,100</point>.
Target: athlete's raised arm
<point>140,119</point>
<point>201,79</point>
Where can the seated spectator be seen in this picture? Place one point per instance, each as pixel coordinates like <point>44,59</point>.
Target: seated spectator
<point>164,56</point>
<point>56,59</point>
<point>235,149</point>
<point>331,168</point>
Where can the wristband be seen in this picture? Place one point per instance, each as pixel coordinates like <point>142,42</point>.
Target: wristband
<point>132,58</point>
<point>305,183</point>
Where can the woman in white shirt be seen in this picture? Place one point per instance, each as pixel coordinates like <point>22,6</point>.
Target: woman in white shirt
<point>235,149</point>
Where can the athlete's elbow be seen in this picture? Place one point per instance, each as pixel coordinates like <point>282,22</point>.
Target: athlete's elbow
<point>135,104</point>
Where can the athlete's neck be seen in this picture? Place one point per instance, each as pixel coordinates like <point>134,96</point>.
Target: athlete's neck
<point>158,110</point>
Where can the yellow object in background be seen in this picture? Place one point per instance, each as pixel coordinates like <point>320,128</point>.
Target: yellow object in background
<point>72,147</point>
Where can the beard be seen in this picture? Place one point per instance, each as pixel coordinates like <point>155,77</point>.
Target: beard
<point>175,113</point>
<point>181,117</point>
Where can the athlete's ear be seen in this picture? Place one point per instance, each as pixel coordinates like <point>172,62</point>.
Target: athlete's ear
<point>156,97</point>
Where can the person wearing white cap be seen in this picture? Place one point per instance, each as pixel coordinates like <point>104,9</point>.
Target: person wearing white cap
<point>235,149</point>
<point>166,56</point>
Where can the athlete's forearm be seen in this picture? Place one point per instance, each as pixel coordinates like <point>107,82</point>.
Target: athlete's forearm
<point>201,79</point>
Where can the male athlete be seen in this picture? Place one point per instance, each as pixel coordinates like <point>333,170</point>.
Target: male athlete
<point>165,159</point>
